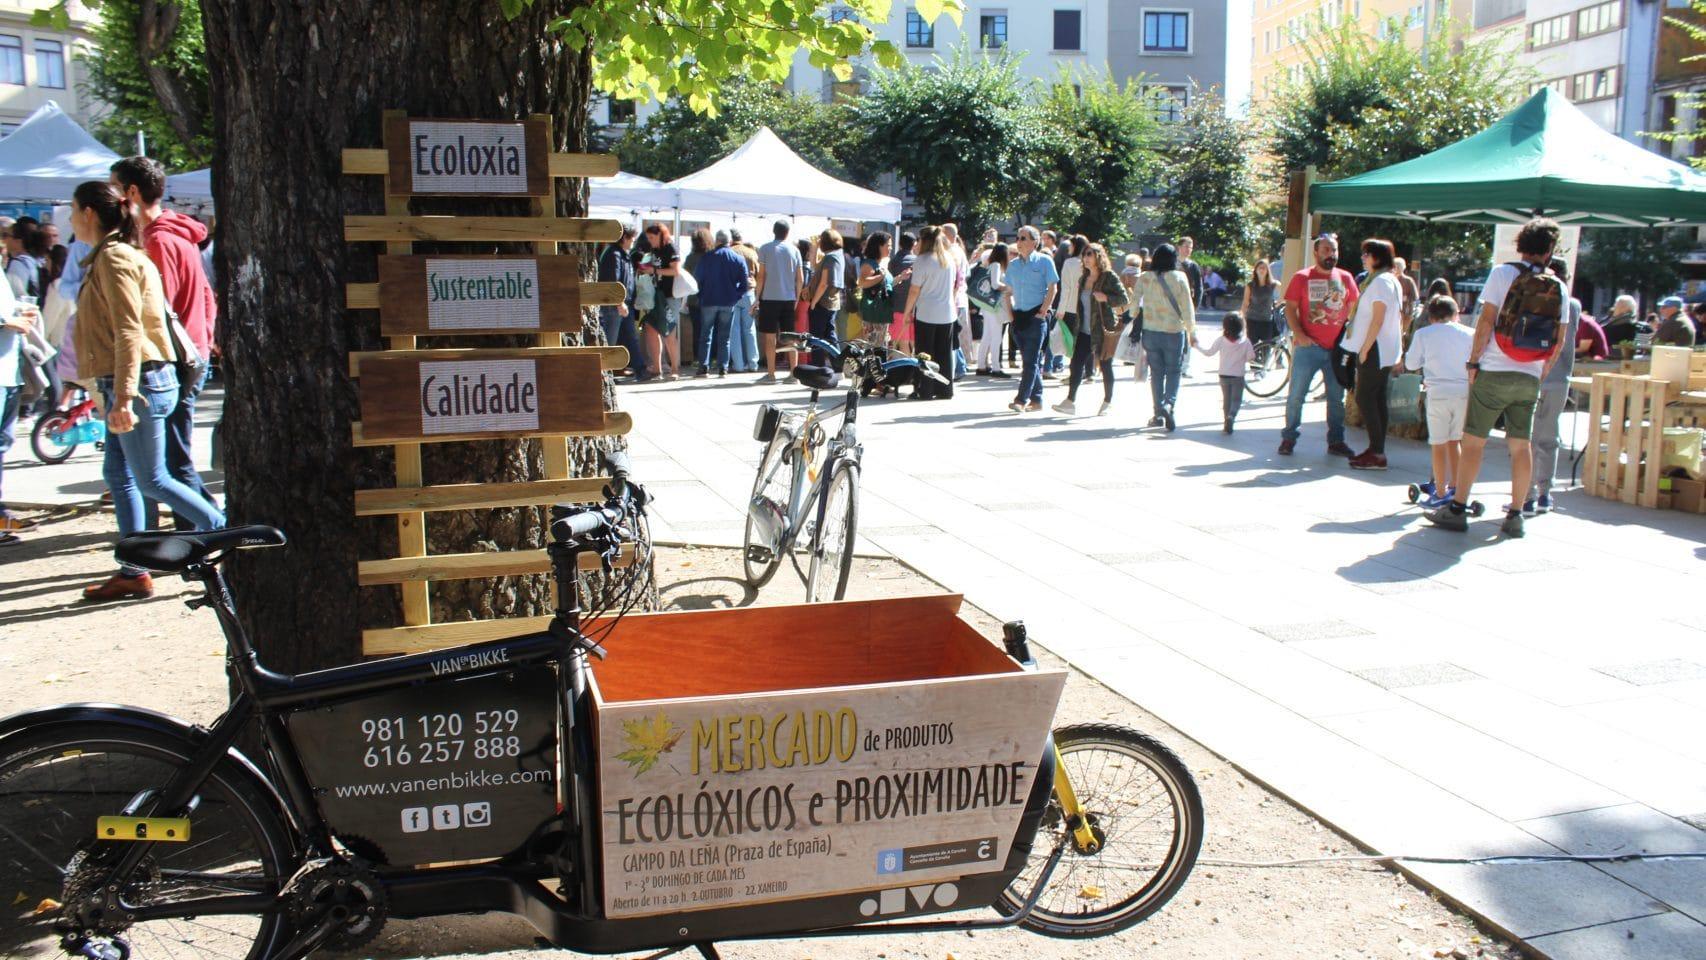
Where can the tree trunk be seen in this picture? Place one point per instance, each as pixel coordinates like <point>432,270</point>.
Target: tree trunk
<point>292,85</point>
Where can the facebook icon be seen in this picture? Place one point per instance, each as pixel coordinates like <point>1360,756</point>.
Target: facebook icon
<point>415,820</point>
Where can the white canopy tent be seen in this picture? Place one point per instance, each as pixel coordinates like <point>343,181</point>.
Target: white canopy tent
<point>45,159</point>
<point>763,177</point>
<point>191,189</point>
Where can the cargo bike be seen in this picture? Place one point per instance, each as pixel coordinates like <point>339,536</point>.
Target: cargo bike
<point>823,770</point>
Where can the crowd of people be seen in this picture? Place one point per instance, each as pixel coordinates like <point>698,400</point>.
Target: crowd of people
<point>125,310</point>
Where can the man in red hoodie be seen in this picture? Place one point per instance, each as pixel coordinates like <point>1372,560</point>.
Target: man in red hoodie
<point>173,243</point>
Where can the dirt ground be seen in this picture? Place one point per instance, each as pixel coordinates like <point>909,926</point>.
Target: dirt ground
<point>157,654</point>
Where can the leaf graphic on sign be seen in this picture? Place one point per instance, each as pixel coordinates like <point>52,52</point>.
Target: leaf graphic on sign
<point>649,738</point>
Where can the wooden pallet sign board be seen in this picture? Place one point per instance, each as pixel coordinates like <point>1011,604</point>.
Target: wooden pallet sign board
<point>408,399</point>
<point>420,295</point>
<point>468,158</point>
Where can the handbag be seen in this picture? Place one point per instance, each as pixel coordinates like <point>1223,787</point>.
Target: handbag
<point>1130,347</point>
<point>1344,363</point>
<point>186,358</point>
<point>645,293</point>
<point>1404,399</point>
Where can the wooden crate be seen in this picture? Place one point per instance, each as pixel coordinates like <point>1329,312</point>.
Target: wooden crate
<point>1625,438</point>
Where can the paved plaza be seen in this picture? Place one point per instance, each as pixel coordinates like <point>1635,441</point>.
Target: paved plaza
<point>1428,693</point>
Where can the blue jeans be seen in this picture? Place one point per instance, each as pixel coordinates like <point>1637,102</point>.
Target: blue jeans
<point>180,431</point>
<point>619,331</point>
<point>8,420</point>
<point>714,336</point>
<point>1306,361</point>
<point>743,339</point>
<point>135,464</point>
<point>1166,352</point>
<point>1030,332</point>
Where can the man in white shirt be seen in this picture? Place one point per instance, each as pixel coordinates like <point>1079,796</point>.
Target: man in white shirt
<point>1504,385</point>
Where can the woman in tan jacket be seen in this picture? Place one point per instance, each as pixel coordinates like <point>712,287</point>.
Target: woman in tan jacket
<point>123,344</point>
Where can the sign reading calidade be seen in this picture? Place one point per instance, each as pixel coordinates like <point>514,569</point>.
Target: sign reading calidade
<point>469,395</point>
<point>735,800</point>
<point>479,294</point>
<point>479,396</point>
<point>468,157</point>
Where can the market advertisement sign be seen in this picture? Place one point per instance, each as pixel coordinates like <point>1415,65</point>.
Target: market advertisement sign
<point>725,801</point>
<point>446,770</point>
<point>447,294</point>
<point>405,398</point>
<point>468,158</point>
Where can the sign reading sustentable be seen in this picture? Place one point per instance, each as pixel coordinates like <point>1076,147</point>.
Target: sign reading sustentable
<point>723,801</point>
<point>495,393</point>
<point>468,158</point>
<point>421,295</point>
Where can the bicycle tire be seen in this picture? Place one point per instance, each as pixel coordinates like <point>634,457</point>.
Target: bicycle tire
<point>86,770</point>
<point>1176,856</point>
<point>770,468</point>
<point>1269,356</point>
<point>841,498</point>
<point>43,445</point>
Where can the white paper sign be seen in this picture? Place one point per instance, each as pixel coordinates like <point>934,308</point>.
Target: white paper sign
<point>482,294</point>
<point>479,396</point>
<point>1504,245</point>
<point>453,158</point>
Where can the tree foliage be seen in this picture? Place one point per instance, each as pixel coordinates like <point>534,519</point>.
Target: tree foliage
<point>1211,181</point>
<point>1694,34</point>
<point>1645,261</point>
<point>1103,142</point>
<point>677,140</point>
<point>150,65</point>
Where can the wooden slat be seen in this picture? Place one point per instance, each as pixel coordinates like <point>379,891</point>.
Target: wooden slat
<point>397,640</point>
<point>480,229</point>
<point>609,358</point>
<point>478,496</point>
<point>470,566</point>
<point>1656,392</point>
<point>365,296</point>
<point>367,160</point>
<point>615,425</point>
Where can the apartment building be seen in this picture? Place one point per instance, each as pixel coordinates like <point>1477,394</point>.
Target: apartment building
<point>38,65</point>
<point>1280,30</point>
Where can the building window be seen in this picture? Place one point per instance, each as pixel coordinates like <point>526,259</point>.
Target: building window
<point>1166,31</point>
<point>919,33</point>
<point>50,64</point>
<point>1550,31</point>
<point>1489,12</point>
<point>11,60</point>
<point>621,111</point>
<point>992,31</point>
<point>1170,102</point>
<point>1068,29</point>
<point>1594,85</point>
<point>1599,18</point>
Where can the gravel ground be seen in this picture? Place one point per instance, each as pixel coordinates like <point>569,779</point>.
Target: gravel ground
<point>53,649</point>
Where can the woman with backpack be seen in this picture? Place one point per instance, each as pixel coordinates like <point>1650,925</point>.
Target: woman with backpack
<point>1095,323</point>
<point>1169,322</point>
<point>876,290</point>
<point>125,346</point>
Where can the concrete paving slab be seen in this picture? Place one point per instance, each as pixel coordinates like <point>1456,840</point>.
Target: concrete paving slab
<point>1665,936</point>
<point>1620,830</point>
<point>1531,900</point>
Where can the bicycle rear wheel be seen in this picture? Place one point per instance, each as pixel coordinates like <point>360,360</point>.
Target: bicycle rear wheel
<point>1270,369</point>
<point>767,512</point>
<point>832,548</point>
<point>48,448</point>
<point>55,783</point>
<point>1141,801</point>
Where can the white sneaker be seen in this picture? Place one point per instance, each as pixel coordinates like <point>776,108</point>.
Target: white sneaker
<point>1106,406</point>
<point>1066,407</point>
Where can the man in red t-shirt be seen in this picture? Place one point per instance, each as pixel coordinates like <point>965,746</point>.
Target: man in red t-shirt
<point>1318,301</point>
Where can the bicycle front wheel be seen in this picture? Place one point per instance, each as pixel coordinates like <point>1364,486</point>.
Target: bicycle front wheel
<point>1143,806</point>
<point>832,549</point>
<point>50,439</point>
<point>767,512</point>
<point>54,785</point>
<point>1270,369</point>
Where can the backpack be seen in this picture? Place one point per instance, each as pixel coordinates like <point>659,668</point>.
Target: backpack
<point>980,287</point>
<point>1528,321</point>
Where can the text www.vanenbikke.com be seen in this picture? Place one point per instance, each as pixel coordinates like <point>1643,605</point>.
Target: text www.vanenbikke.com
<point>450,781</point>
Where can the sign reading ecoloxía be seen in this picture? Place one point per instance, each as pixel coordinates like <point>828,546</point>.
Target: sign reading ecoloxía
<point>501,393</point>
<point>473,294</point>
<point>723,801</point>
<point>468,158</point>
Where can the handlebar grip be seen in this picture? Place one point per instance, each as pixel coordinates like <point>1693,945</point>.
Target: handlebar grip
<point>578,526</point>
<point>617,463</point>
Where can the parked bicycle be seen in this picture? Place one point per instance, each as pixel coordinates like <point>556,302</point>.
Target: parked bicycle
<point>57,435</point>
<point>1270,363</point>
<point>127,834</point>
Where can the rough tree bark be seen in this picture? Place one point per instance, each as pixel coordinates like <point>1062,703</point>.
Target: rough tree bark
<point>293,84</point>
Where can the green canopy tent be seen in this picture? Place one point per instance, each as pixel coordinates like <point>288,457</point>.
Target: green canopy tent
<point>1545,158</point>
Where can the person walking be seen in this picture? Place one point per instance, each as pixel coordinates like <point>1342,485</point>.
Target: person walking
<point>172,241</point>
<point>826,290</point>
<point>1257,307</point>
<point>1169,322</point>
<point>1032,282</point>
<point>876,290</point>
<point>723,283</point>
<point>1375,335</point>
<point>930,305</point>
<point>15,325</point>
<point>615,265</point>
<point>1317,303</point>
<point>1070,260</point>
<point>1235,354</point>
<point>661,261</point>
<point>1554,391</point>
<point>1096,328</point>
<point>695,333</point>
<point>900,268</point>
<point>743,332</point>
<point>1518,336</point>
<point>781,281</point>
<point>123,343</point>
<point>996,319</point>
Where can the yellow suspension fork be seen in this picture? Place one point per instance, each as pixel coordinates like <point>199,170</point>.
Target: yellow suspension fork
<point>1084,838</point>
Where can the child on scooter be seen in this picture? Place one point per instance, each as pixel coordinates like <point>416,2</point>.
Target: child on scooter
<point>1440,350</point>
